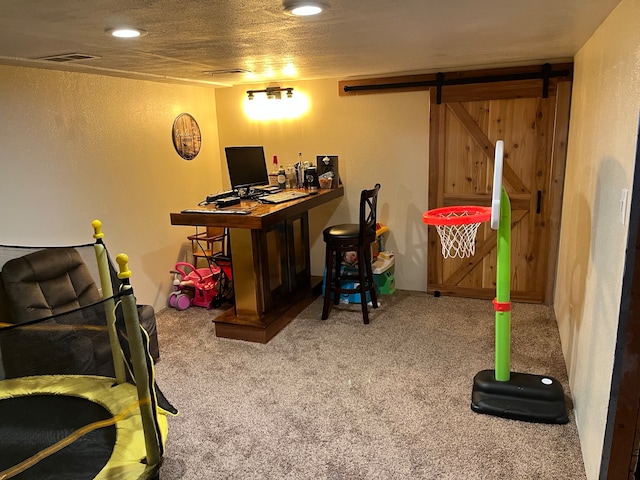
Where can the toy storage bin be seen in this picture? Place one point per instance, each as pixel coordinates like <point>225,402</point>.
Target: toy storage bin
<point>386,282</point>
<point>346,298</point>
<point>383,275</point>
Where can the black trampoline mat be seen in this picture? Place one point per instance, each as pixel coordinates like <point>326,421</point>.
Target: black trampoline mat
<point>31,423</point>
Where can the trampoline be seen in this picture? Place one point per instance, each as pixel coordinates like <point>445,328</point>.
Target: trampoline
<point>78,397</point>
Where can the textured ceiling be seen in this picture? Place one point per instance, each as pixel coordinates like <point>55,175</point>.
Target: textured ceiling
<point>353,38</point>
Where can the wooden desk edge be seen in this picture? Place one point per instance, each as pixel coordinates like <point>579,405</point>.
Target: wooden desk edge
<point>276,214</point>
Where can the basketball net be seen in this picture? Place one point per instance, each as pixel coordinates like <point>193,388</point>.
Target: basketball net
<point>458,240</point>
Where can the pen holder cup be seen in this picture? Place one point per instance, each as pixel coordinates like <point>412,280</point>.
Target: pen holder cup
<point>325,182</point>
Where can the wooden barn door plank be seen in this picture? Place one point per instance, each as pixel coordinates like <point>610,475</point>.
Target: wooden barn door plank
<point>462,145</point>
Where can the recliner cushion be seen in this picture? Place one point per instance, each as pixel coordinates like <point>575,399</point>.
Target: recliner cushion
<point>48,282</point>
<point>5,309</point>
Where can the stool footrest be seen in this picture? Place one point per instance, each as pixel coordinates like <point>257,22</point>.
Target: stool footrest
<point>351,277</point>
<point>351,290</point>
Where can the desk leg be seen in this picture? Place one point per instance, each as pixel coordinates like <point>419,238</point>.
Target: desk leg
<point>298,257</point>
<point>271,279</point>
<point>246,284</point>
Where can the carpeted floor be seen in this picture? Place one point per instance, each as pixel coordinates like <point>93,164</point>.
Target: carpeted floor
<point>338,399</point>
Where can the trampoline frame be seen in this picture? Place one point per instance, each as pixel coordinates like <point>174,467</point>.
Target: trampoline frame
<point>141,425</point>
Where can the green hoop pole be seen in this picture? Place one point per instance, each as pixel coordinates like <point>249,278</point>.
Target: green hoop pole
<point>503,291</point>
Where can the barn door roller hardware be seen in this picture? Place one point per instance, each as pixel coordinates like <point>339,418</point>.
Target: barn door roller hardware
<point>440,80</point>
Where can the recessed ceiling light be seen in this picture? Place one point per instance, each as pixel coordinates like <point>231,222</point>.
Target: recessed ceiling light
<point>126,32</point>
<point>304,8</point>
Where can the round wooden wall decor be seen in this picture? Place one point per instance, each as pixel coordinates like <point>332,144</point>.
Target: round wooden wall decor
<point>186,136</point>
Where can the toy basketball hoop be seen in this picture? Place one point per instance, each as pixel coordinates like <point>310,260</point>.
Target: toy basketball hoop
<point>519,396</point>
<point>457,227</point>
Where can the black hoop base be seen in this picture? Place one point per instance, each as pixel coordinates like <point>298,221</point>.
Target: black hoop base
<point>526,397</point>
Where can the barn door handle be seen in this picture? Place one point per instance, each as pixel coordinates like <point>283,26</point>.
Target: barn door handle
<point>539,203</point>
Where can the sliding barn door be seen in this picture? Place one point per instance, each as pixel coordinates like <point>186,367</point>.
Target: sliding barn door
<point>463,132</point>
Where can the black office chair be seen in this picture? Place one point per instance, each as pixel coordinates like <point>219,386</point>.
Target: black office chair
<point>352,237</point>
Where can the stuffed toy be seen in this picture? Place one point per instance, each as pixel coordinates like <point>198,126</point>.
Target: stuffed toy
<point>350,258</point>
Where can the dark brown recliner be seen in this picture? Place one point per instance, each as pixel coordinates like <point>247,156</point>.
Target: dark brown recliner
<point>56,280</point>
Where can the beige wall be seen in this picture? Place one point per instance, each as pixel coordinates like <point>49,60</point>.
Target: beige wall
<point>600,163</point>
<point>79,146</point>
<point>76,147</point>
<point>378,138</point>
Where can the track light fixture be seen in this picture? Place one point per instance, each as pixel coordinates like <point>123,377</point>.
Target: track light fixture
<point>271,92</point>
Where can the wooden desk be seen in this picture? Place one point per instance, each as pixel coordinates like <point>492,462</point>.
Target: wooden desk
<point>271,264</point>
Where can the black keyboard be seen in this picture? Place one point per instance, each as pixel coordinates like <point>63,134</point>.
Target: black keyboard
<point>217,196</point>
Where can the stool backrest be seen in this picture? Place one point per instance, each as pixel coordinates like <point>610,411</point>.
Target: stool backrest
<point>368,214</point>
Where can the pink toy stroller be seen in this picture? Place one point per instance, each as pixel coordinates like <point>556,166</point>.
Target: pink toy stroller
<point>201,287</point>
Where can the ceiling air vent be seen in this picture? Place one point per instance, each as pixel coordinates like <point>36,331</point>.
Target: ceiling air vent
<point>226,71</point>
<point>68,57</point>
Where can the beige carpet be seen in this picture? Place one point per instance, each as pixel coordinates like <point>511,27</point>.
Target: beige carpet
<point>337,399</point>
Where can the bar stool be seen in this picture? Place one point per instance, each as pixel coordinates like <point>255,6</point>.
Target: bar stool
<point>352,237</point>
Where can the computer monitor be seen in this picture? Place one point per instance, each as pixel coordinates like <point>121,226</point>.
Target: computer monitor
<point>247,166</point>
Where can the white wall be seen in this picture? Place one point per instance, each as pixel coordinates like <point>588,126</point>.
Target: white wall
<point>76,147</point>
<point>378,138</point>
<point>600,163</point>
